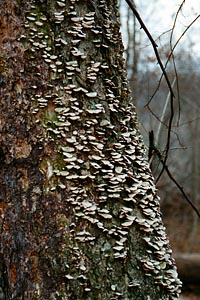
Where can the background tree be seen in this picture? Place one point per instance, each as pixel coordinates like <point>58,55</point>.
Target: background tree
<point>80,217</point>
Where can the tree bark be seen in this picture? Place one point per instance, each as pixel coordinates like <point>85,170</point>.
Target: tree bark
<point>80,217</point>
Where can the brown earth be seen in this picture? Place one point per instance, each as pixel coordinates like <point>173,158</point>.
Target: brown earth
<point>183,229</point>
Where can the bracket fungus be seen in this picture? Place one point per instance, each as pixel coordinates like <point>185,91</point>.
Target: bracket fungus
<point>86,119</point>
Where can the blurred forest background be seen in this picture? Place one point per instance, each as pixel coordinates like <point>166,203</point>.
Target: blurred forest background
<point>175,27</point>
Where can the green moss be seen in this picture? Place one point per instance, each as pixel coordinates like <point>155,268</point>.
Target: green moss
<point>50,117</point>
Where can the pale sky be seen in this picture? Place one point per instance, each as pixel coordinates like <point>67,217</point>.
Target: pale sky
<point>158,16</point>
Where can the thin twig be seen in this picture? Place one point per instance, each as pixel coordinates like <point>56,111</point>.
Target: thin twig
<point>163,115</point>
<point>181,190</point>
<point>173,60</point>
<point>154,45</point>
<point>169,57</point>
<point>172,110</point>
<point>128,39</point>
<point>166,168</point>
<point>163,161</point>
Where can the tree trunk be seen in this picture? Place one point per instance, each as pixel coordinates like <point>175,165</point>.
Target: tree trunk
<point>80,217</point>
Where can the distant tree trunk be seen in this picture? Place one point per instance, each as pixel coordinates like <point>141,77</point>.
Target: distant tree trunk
<point>80,218</point>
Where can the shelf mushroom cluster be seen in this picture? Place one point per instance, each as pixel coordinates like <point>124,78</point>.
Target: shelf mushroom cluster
<point>95,129</point>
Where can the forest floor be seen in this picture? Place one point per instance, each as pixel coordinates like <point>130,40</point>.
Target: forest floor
<point>189,297</point>
<point>183,230</point>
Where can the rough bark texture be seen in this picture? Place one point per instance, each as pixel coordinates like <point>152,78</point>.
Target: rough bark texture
<point>80,218</point>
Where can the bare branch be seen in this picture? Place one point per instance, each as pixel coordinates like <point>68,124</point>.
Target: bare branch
<point>169,57</point>
<point>163,115</point>
<point>154,45</point>
<point>173,60</point>
<point>166,168</point>
<point>170,97</point>
<point>128,38</point>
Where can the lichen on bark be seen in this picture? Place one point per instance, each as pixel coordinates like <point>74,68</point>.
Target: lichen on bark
<point>80,214</point>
